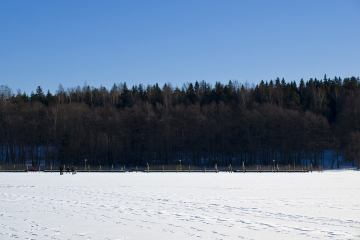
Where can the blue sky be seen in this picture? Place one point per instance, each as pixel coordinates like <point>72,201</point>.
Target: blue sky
<point>47,43</point>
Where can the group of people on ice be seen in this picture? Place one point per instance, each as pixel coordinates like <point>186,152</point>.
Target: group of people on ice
<point>73,170</point>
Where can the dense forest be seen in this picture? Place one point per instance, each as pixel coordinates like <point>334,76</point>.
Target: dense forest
<point>198,123</point>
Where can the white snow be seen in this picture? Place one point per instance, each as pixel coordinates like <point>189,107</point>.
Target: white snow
<point>180,205</point>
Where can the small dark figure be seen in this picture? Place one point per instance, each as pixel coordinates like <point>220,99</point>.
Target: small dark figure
<point>72,169</point>
<point>33,169</point>
<point>67,170</point>
<point>61,170</point>
<point>132,169</point>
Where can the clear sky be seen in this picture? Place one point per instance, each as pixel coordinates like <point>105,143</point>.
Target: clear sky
<point>47,43</point>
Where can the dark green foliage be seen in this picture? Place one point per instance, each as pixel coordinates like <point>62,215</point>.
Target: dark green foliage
<point>200,124</point>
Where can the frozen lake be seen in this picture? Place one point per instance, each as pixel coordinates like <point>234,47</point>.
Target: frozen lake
<point>180,205</point>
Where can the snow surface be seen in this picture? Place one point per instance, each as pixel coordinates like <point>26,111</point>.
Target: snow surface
<point>180,205</point>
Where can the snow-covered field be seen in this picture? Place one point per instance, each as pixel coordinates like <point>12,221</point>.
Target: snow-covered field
<point>180,205</point>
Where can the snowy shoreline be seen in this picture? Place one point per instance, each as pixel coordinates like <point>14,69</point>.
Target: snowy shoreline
<point>180,206</point>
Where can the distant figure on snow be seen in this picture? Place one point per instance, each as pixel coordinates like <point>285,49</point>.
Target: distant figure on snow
<point>61,170</point>
<point>67,170</point>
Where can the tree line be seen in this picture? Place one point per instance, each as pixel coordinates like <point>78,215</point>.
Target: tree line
<point>198,123</point>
